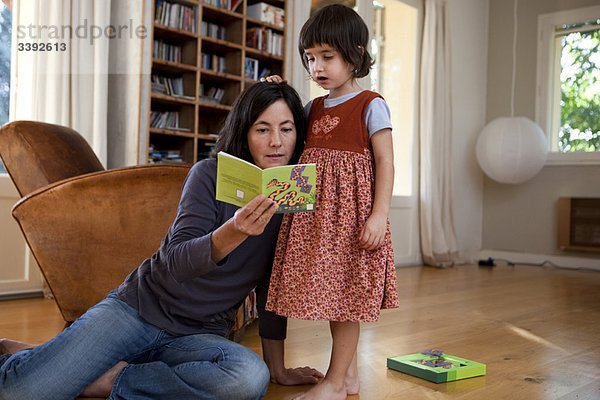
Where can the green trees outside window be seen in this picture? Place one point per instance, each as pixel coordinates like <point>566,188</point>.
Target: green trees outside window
<point>580,89</point>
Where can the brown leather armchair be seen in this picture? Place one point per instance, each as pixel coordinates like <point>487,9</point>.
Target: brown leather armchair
<point>87,227</point>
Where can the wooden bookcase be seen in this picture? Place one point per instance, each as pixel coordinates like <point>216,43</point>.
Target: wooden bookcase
<point>579,224</point>
<point>203,57</point>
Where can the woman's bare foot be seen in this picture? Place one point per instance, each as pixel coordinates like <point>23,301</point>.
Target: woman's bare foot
<point>324,391</point>
<point>102,386</point>
<point>8,346</point>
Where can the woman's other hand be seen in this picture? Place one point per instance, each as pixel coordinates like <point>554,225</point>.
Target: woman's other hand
<point>273,79</point>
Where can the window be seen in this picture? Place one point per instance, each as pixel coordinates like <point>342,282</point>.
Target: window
<point>568,102</point>
<point>5,39</point>
<point>393,75</point>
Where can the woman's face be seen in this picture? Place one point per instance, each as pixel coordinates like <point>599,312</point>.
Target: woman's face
<point>272,137</point>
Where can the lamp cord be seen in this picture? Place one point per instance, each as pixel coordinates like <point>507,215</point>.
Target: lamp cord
<point>514,61</point>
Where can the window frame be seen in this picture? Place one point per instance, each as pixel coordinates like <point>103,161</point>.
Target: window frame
<point>3,172</point>
<point>545,110</point>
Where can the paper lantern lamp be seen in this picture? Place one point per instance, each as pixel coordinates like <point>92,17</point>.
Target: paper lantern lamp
<point>511,149</point>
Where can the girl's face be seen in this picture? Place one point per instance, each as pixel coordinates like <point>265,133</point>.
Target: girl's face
<point>272,137</point>
<point>329,69</point>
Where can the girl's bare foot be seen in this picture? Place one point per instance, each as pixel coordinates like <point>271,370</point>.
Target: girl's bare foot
<point>351,381</point>
<point>324,391</point>
<point>8,346</point>
<point>102,386</point>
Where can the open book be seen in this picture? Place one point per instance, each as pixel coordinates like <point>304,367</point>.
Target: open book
<point>292,187</point>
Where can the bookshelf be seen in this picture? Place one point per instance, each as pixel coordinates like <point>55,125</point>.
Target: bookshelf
<point>205,52</point>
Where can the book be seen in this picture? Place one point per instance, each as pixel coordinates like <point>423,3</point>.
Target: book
<point>251,68</point>
<point>291,187</point>
<point>435,366</point>
<point>234,4</point>
<point>267,13</point>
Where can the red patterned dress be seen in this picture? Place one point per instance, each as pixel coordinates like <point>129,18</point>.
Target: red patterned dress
<point>320,272</point>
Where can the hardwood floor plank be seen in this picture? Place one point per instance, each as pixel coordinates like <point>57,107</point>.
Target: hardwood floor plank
<point>536,329</point>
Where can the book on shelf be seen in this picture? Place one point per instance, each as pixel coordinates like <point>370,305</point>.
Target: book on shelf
<point>156,156</point>
<point>175,15</point>
<point>267,13</point>
<point>166,52</point>
<point>233,4</point>
<point>213,30</point>
<point>169,86</point>
<point>265,39</point>
<point>212,94</point>
<point>251,68</point>
<point>230,5</point>
<point>213,62</point>
<point>166,120</point>
<point>436,366</point>
<point>291,187</point>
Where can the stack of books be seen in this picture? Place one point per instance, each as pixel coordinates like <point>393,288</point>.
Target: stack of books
<point>267,13</point>
<point>175,15</point>
<point>265,39</point>
<point>167,52</point>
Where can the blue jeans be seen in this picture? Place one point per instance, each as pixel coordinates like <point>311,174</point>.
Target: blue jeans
<point>162,366</point>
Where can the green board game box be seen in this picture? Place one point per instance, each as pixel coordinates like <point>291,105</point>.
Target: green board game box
<point>435,366</point>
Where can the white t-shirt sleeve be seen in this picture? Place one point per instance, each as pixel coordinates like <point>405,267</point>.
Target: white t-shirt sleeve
<point>378,116</point>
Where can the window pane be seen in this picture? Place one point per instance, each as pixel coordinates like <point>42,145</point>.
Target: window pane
<point>394,76</point>
<point>5,38</point>
<point>579,96</point>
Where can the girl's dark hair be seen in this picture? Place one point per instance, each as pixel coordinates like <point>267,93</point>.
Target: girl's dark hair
<point>251,103</point>
<point>341,28</point>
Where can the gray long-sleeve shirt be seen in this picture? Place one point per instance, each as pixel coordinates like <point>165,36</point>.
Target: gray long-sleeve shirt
<point>181,290</point>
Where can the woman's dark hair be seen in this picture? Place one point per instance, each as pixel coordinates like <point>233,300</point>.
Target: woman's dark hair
<point>252,102</point>
<point>341,28</point>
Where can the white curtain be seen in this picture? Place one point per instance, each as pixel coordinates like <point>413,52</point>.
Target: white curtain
<point>129,83</point>
<point>438,238</point>
<point>67,82</point>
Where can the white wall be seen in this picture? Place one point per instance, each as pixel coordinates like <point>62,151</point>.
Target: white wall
<point>522,218</point>
<point>468,24</point>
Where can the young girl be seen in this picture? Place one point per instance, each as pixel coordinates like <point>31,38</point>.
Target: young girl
<point>336,263</point>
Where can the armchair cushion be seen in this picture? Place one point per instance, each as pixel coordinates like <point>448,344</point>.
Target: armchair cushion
<point>88,232</point>
<point>36,154</point>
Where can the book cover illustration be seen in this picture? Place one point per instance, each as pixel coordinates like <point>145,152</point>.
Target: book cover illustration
<point>291,187</point>
<point>435,366</point>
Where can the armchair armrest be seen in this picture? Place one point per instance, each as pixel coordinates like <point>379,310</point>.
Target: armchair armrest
<point>88,232</point>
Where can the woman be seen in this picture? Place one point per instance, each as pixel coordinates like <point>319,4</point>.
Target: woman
<point>162,333</point>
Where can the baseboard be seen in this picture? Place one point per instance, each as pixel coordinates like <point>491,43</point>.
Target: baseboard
<point>550,260</point>
<point>408,261</point>
<point>22,295</point>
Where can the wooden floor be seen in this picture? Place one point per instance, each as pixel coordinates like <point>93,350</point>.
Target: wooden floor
<point>537,329</point>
